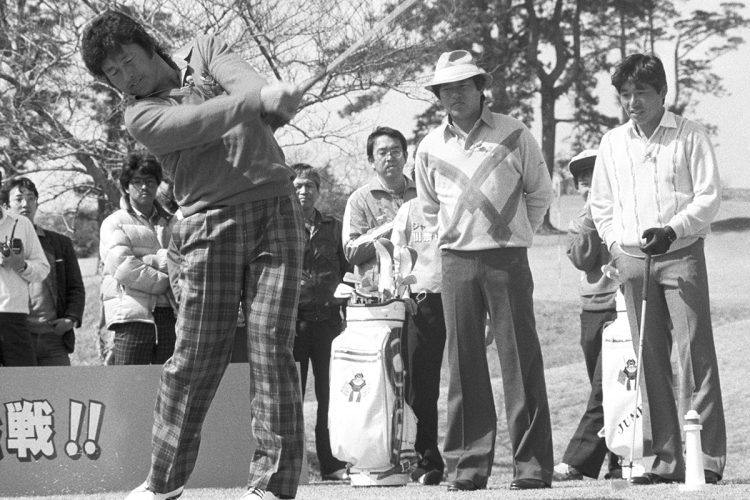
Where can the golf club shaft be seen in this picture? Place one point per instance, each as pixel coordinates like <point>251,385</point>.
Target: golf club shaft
<point>638,370</point>
<point>331,67</point>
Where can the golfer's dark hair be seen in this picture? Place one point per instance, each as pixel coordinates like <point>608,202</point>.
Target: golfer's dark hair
<point>640,69</point>
<point>305,171</point>
<point>139,162</point>
<point>107,33</point>
<point>390,132</point>
<point>22,182</point>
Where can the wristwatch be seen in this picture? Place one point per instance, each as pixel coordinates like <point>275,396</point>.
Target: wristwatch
<point>671,235</point>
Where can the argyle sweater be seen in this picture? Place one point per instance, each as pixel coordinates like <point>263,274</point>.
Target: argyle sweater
<point>489,189</point>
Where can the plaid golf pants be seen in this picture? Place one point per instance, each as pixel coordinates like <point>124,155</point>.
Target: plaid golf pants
<point>250,252</point>
<point>145,343</point>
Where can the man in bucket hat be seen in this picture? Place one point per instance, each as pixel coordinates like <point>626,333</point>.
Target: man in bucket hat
<point>484,186</point>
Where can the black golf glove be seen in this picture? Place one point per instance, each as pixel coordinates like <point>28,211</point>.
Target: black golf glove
<point>658,240</point>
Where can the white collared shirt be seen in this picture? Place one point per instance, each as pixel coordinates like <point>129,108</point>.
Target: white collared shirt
<point>670,178</point>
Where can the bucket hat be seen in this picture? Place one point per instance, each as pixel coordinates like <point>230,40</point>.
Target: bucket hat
<point>455,66</point>
<point>582,161</point>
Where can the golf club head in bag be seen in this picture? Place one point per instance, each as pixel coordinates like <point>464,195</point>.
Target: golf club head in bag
<point>384,252</point>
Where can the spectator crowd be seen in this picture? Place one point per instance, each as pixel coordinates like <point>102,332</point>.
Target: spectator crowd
<point>219,253</point>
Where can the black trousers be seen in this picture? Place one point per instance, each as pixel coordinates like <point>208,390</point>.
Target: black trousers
<point>16,346</point>
<point>586,450</point>
<point>497,281</point>
<point>425,341</point>
<point>312,343</point>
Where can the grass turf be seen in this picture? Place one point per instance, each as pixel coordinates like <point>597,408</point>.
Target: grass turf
<point>556,306</point>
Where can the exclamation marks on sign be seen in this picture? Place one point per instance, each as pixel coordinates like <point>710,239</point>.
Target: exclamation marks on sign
<point>74,427</point>
<point>91,445</point>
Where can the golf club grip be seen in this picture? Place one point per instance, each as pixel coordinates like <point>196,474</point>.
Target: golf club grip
<point>646,276</point>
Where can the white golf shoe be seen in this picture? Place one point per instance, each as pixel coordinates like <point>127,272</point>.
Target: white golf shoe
<point>259,494</point>
<point>143,493</point>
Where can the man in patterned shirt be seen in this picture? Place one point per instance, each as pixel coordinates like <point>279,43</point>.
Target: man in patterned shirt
<point>484,185</point>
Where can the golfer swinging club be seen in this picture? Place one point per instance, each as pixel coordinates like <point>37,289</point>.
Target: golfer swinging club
<point>205,115</point>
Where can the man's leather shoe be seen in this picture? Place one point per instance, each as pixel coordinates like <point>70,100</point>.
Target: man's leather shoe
<point>462,485</point>
<point>528,484</point>
<point>649,478</point>
<point>711,477</point>
<point>427,473</point>
<point>615,473</point>
<point>338,475</point>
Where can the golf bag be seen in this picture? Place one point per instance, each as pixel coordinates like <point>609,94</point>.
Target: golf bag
<point>619,365</point>
<point>370,425</point>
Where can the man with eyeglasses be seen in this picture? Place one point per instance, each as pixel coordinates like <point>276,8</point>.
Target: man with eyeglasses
<point>56,304</point>
<point>371,209</point>
<point>138,302</point>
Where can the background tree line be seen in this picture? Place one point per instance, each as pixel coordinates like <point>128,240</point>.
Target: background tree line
<point>547,58</point>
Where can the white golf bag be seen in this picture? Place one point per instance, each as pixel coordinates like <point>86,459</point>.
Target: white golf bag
<point>621,418</point>
<point>370,425</point>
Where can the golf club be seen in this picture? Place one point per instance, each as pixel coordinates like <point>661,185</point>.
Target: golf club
<point>638,369</point>
<point>369,35</point>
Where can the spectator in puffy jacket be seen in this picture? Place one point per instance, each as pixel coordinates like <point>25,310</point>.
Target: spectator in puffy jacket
<point>138,303</point>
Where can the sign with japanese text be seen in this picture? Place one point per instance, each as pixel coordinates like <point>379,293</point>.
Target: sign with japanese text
<point>67,430</point>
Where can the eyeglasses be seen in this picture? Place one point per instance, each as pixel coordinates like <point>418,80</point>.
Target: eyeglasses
<point>395,153</point>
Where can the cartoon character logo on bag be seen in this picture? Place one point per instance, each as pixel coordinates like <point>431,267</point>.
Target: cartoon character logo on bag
<point>628,374</point>
<point>356,386</point>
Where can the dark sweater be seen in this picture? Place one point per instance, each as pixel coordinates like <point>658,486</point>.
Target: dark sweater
<point>209,135</point>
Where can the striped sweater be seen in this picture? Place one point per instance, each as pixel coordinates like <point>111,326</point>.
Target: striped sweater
<point>670,179</point>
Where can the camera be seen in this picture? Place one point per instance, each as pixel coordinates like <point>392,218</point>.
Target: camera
<point>15,246</point>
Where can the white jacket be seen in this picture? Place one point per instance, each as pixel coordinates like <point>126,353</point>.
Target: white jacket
<point>134,270</point>
<point>14,286</point>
